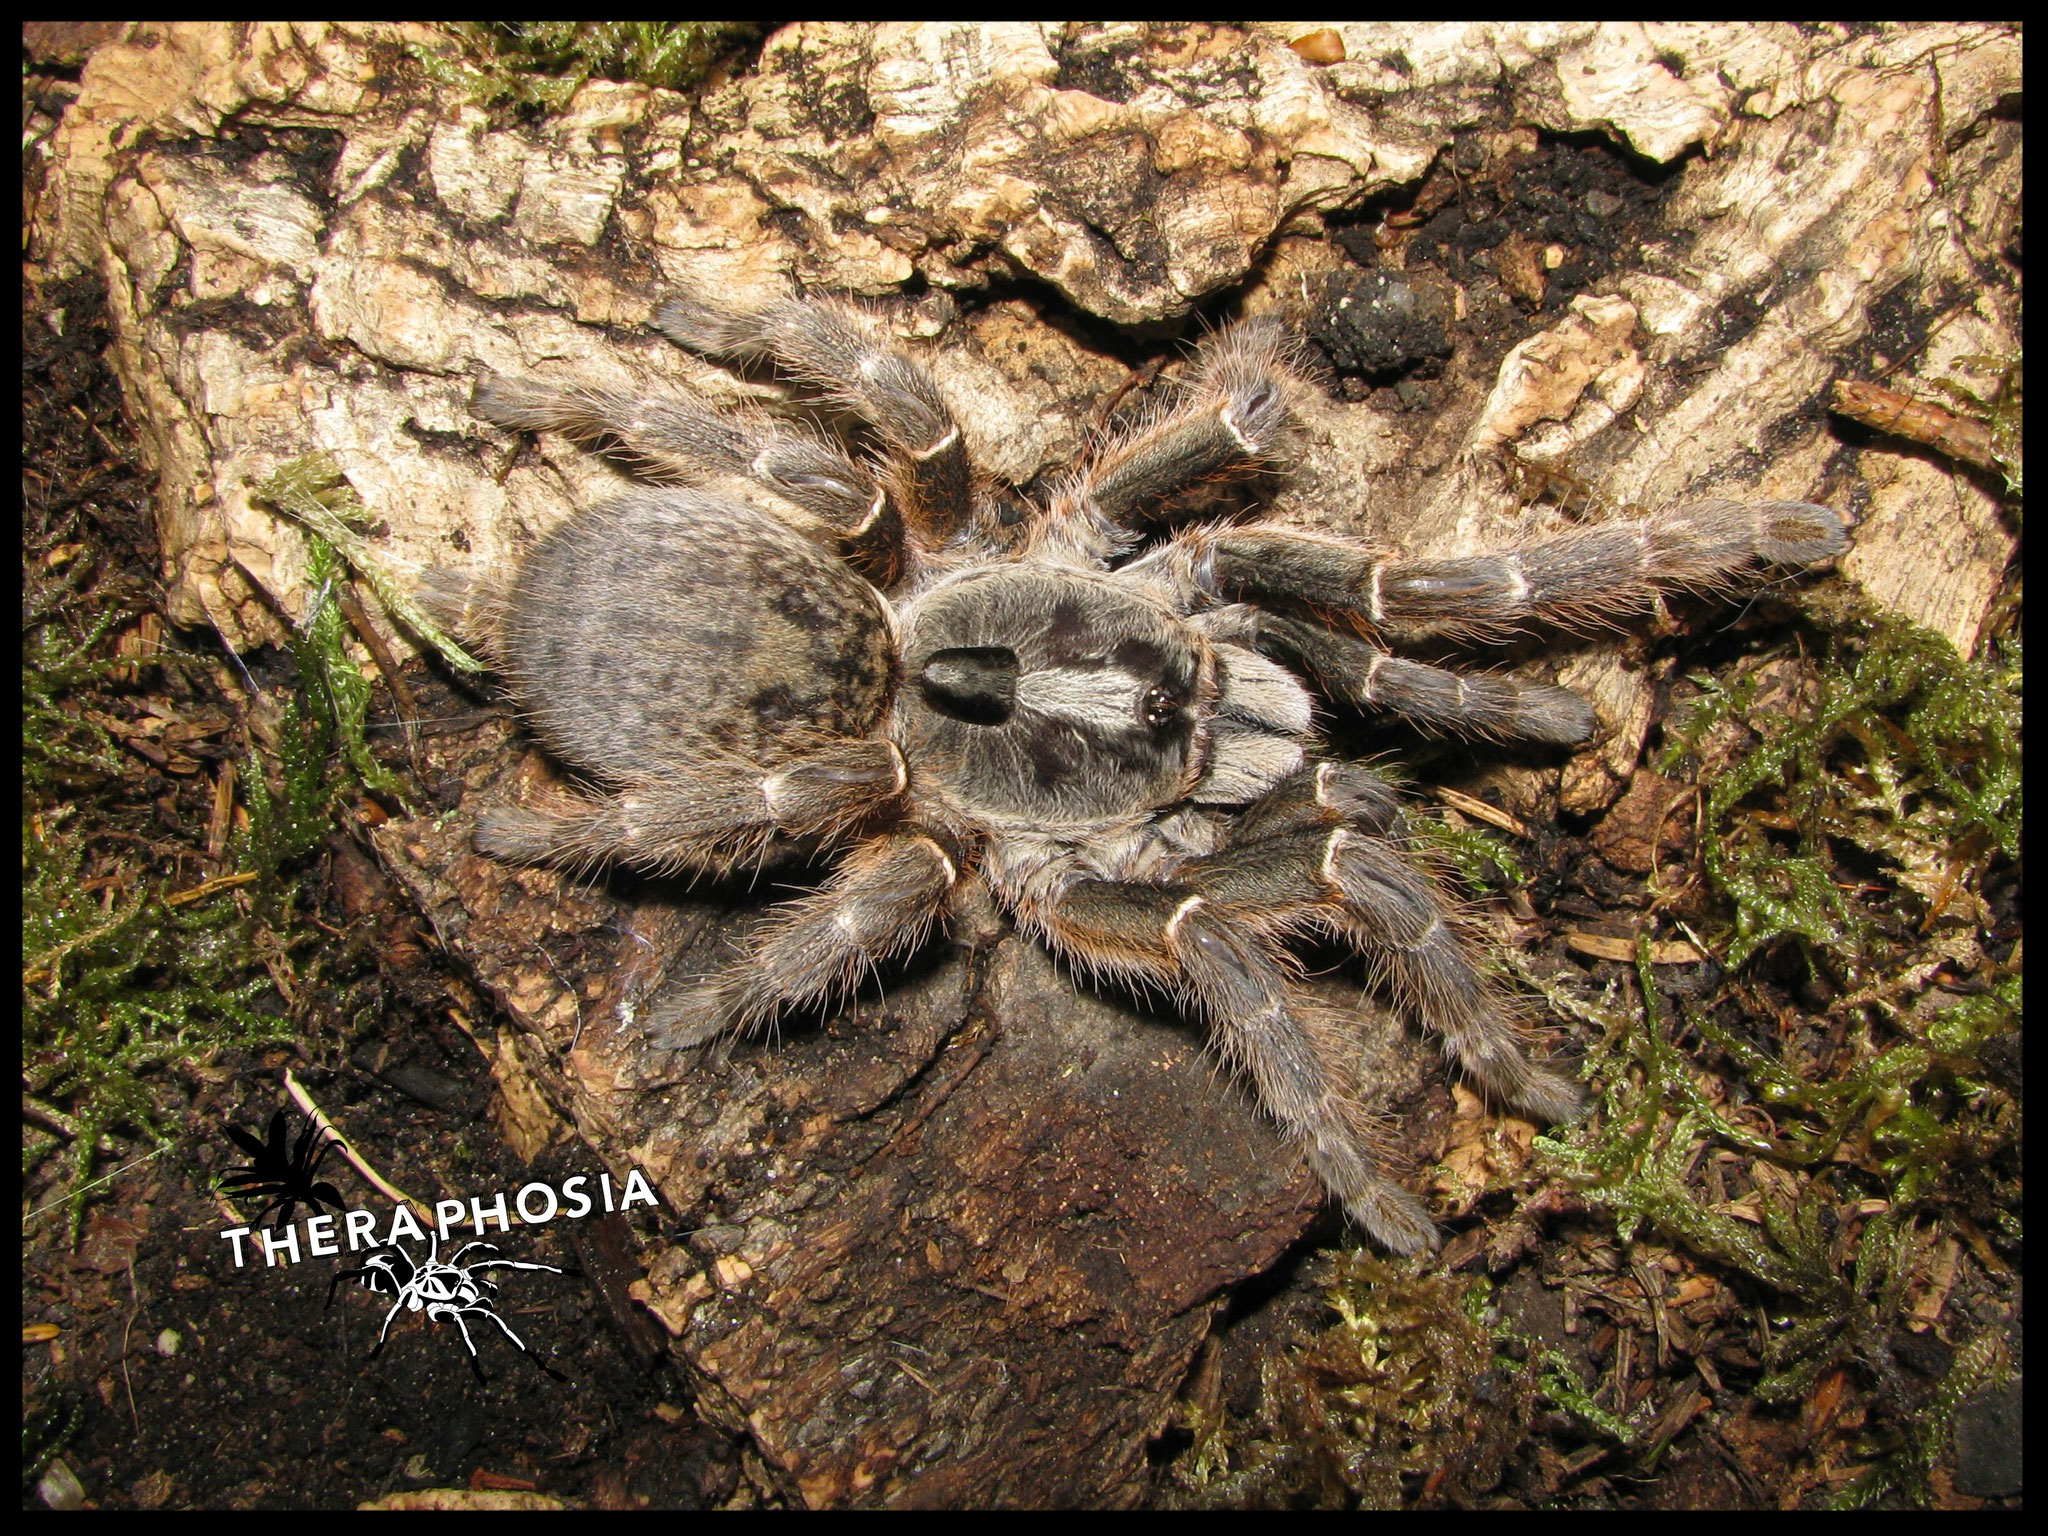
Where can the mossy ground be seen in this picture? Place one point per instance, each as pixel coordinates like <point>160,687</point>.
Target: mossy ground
<point>1787,1237</point>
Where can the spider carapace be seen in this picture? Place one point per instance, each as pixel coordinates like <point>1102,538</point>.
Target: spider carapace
<point>779,646</point>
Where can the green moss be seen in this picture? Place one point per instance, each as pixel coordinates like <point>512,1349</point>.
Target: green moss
<point>2004,413</point>
<point>45,1435</point>
<point>119,984</point>
<point>1405,1392</point>
<point>1903,1121</point>
<point>114,989</point>
<point>1480,859</point>
<point>541,64</point>
<point>1854,813</point>
<point>1903,1470</point>
<point>313,492</point>
<point>61,745</point>
<point>1903,751</point>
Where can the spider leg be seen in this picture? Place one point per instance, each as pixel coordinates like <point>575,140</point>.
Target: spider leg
<point>708,820</point>
<point>1296,1054</point>
<point>1215,927</point>
<point>1231,419</point>
<point>1581,579</point>
<point>517,1342</point>
<point>362,1274</point>
<point>1360,673</point>
<point>837,348</point>
<point>668,437</point>
<point>482,1264</point>
<point>1319,796</point>
<point>385,1332</point>
<point>1398,913</point>
<point>481,1310</point>
<point>454,1314</point>
<point>879,902</point>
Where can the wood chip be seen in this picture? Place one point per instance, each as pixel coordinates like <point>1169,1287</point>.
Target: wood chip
<point>1323,46</point>
<point>1603,946</point>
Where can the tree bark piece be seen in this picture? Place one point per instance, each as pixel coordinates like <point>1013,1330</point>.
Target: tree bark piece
<point>956,1246</point>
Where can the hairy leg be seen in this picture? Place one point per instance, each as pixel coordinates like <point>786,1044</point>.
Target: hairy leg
<point>1231,418</point>
<point>1297,1055</point>
<point>1360,673</point>
<point>707,821</point>
<point>1586,578</point>
<point>837,348</point>
<point>667,437</point>
<point>1337,877</point>
<point>1398,914</point>
<point>1322,796</point>
<point>881,901</point>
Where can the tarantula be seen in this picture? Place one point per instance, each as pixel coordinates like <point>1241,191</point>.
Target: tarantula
<point>1114,740</point>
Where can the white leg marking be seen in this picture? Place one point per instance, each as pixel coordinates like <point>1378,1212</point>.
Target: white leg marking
<point>1331,848</point>
<point>874,511</point>
<point>1179,913</point>
<point>1379,659</point>
<point>945,863</point>
<point>937,448</point>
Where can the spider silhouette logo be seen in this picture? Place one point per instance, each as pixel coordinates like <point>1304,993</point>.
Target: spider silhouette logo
<point>283,1171</point>
<point>453,1290</point>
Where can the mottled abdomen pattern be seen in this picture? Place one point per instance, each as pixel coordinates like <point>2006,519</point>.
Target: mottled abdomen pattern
<point>668,625</point>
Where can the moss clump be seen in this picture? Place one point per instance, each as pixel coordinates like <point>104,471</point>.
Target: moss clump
<point>1481,860</point>
<point>63,746</point>
<point>1857,821</point>
<point>1900,749</point>
<point>123,973</point>
<point>114,989</point>
<point>541,64</point>
<point>1406,1394</point>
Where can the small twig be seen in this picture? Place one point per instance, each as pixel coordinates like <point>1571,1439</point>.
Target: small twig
<point>106,1145</point>
<point>221,824</point>
<point>401,691</point>
<point>1917,421</point>
<point>46,965</point>
<point>296,490</point>
<point>206,888</point>
<point>931,1105</point>
<point>355,1159</point>
<point>1140,379</point>
<point>1479,810</point>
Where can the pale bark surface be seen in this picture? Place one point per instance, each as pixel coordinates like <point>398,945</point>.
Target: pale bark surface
<point>959,1244</point>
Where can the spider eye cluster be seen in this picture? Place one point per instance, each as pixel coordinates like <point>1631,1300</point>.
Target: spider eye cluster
<point>1160,706</point>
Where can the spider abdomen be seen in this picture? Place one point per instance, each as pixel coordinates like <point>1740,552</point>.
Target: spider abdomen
<point>668,624</point>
